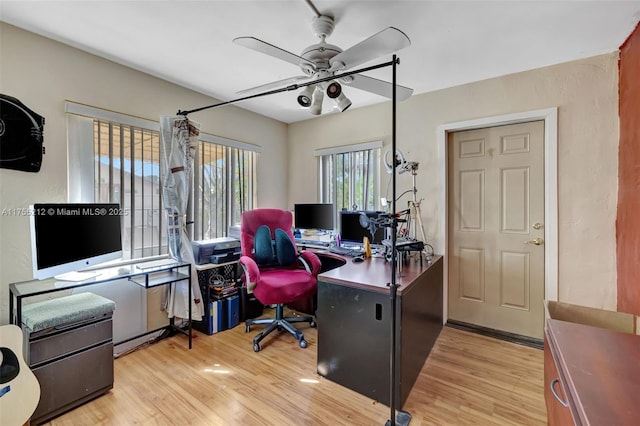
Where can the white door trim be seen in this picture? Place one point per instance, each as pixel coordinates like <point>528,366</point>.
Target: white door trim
<point>550,117</point>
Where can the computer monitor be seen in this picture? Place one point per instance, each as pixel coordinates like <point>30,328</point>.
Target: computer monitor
<point>313,216</point>
<point>71,237</point>
<point>352,231</point>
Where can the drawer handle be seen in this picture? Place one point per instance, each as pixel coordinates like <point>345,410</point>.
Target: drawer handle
<point>553,391</point>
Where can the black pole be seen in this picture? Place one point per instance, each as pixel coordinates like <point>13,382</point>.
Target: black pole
<point>290,88</point>
<point>399,417</point>
<point>402,417</point>
<point>394,257</point>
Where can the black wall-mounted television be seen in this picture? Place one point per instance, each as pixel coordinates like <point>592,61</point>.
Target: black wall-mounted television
<point>73,236</point>
<point>313,216</point>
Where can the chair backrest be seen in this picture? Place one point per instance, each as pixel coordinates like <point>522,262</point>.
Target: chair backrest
<point>253,219</point>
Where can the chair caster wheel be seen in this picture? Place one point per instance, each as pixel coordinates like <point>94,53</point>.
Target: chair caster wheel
<point>313,324</point>
<point>256,347</point>
<point>247,328</point>
<point>303,343</point>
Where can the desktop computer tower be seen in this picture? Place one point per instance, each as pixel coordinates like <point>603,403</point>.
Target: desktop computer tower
<point>250,307</point>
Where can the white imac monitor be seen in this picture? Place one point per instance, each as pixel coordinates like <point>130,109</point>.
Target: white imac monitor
<point>74,236</point>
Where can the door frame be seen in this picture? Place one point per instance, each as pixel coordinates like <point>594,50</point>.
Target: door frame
<point>550,118</point>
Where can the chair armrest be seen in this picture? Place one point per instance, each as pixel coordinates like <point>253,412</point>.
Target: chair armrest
<point>251,271</point>
<point>311,261</point>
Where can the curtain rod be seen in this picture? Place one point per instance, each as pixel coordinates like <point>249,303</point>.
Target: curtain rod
<point>292,87</point>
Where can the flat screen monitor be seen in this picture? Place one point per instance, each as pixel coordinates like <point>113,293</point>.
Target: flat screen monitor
<point>313,216</point>
<point>351,229</point>
<point>71,237</point>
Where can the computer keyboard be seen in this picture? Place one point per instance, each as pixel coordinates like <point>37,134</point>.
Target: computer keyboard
<point>156,264</point>
<point>344,251</point>
<point>312,243</point>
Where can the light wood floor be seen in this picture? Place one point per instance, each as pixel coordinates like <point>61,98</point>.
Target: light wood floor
<point>468,379</point>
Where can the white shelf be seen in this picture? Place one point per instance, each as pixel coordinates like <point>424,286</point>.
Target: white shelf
<point>207,266</point>
<point>156,278</point>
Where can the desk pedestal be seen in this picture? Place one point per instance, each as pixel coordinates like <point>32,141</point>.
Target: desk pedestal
<point>354,327</point>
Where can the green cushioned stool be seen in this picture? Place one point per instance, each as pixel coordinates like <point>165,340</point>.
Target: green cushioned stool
<point>65,310</point>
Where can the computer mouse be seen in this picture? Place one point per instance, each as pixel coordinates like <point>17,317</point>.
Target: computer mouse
<point>358,259</point>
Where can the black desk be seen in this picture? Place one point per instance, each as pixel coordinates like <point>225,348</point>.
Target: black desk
<point>354,324</point>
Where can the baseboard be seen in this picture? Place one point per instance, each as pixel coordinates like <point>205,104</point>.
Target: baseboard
<point>497,334</point>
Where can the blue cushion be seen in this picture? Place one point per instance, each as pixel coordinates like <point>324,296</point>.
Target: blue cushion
<point>263,246</point>
<point>285,250</point>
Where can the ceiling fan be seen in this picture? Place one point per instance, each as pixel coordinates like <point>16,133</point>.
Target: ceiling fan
<point>323,60</point>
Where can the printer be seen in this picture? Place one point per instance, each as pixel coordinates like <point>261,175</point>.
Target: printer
<point>217,250</point>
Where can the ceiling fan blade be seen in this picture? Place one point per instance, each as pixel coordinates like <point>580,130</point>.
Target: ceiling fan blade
<point>271,50</point>
<point>276,84</point>
<point>380,87</point>
<point>382,43</point>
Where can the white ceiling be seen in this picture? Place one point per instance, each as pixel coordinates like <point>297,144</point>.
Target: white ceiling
<point>453,42</point>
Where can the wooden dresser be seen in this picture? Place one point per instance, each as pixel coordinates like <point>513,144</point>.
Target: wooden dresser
<point>595,374</point>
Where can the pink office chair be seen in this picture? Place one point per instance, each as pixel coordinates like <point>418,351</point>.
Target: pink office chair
<point>274,268</point>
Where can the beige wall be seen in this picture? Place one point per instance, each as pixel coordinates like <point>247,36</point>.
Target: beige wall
<point>586,94</point>
<point>43,74</point>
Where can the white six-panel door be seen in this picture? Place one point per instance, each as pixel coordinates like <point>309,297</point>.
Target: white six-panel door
<point>496,227</point>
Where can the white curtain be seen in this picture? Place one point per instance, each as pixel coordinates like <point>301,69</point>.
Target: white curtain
<point>179,139</point>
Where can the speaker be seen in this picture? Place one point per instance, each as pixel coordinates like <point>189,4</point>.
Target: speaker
<point>21,136</point>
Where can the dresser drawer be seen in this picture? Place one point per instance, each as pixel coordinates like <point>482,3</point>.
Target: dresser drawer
<point>555,397</point>
<point>55,345</point>
<point>71,381</point>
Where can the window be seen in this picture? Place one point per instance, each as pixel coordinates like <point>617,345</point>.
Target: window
<point>349,176</point>
<point>124,165</point>
<point>225,182</point>
<point>127,171</point>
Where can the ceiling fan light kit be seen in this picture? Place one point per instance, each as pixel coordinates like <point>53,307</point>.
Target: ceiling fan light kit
<point>342,103</point>
<point>334,90</point>
<point>316,102</point>
<point>304,98</point>
<point>322,60</point>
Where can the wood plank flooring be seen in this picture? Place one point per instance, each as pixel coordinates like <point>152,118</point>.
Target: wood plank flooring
<point>468,379</point>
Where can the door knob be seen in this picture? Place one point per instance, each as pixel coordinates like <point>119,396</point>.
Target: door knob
<point>537,241</point>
